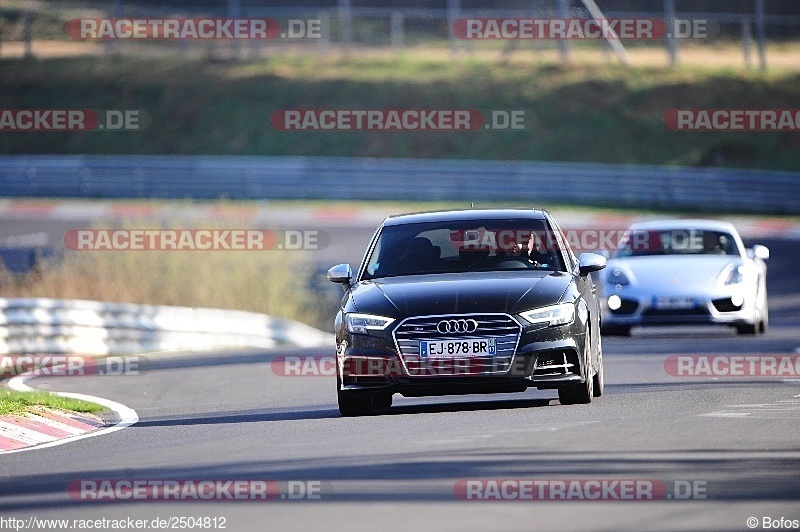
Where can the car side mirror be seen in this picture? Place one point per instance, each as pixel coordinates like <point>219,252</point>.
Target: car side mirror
<point>761,252</point>
<point>340,274</point>
<point>590,262</point>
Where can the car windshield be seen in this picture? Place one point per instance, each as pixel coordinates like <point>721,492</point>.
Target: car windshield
<point>464,246</point>
<point>641,242</point>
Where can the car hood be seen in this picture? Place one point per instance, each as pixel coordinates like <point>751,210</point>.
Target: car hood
<point>686,270</point>
<point>435,294</point>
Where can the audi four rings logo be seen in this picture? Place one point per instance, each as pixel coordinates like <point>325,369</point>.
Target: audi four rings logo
<point>457,326</point>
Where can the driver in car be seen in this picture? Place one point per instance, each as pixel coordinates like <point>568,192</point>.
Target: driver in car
<point>529,248</point>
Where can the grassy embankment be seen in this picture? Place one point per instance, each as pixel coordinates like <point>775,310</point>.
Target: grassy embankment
<point>582,113</point>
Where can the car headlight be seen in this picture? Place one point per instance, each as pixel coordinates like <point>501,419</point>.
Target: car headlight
<point>732,274</point>
<point>361,323</point>
<point>562,314</point>
<point>616,277</point>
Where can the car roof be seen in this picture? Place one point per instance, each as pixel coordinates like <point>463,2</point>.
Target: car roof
<point>465,215</point>
<point>709,225</point>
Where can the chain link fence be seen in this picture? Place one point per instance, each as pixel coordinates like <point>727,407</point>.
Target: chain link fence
<point>41,28</point>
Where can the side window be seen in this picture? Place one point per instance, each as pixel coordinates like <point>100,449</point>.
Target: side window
<point>374,263</point>
<point>569,257</point>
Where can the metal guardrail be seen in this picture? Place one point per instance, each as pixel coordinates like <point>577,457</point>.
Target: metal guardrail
<point>59,326</point>
<point>514,182</point>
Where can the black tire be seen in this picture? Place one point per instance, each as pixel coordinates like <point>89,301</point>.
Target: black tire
<point>353,404</point>
<point>576,394</point>
<point>382,401</point>
<point>599,379</point>
<point>579,393</point>
<point>615,330</point>
<point>750,329</point>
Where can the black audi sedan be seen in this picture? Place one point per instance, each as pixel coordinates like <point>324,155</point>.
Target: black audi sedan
<point>467,302</point>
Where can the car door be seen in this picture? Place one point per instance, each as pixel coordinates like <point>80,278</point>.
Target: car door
<point>585,286</point>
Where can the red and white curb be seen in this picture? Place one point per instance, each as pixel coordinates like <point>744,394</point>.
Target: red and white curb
<point>47,428</point>
<point>44,426</point>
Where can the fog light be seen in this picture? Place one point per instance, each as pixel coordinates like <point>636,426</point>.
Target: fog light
<point>737,300</point>
<point>614,302</point>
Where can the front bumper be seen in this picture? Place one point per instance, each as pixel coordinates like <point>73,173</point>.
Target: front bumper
<point>669,307</point>
<point>542,357</point>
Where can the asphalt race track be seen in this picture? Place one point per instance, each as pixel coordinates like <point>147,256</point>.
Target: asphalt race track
<point>231,416</point>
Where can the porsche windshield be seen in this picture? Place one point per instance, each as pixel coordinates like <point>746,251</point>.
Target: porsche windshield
<point>464,246</point>
<point>642,242</point>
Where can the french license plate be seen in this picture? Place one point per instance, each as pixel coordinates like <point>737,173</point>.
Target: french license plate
<point>674,302</point>
<point>474,347</point>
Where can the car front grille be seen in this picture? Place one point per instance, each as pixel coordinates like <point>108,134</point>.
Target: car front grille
<point>501,327</point>
<point>656,313</point>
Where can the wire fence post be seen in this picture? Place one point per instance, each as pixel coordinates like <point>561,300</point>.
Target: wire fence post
<point>761,35</point>
<point>324,42</point>
<point>563,44</point>
<point>113,46</point>
<point>453,12</point>
<point>345,24</point>
<point>747,42</point>
<point>672,41</point>
<point>397,31</point>
<point>234,11</point>
<point>26,31</point>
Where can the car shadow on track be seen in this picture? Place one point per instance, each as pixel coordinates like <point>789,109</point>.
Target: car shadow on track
<point>260,416</point>
<point>464,406</point>
<point>252,416</point>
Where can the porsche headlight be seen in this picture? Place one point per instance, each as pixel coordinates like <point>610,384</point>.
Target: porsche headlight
<point>732,274</point>
<point>553,315</point>
<point>362,323</point>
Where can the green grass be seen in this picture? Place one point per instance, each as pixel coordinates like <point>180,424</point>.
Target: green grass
<point>13,402</point>
<point>581,113</point>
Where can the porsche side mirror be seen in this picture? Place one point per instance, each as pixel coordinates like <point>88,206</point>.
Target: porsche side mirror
<point>761,252</point>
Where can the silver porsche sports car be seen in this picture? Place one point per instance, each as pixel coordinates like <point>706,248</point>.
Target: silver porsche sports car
<point>680,272</point>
